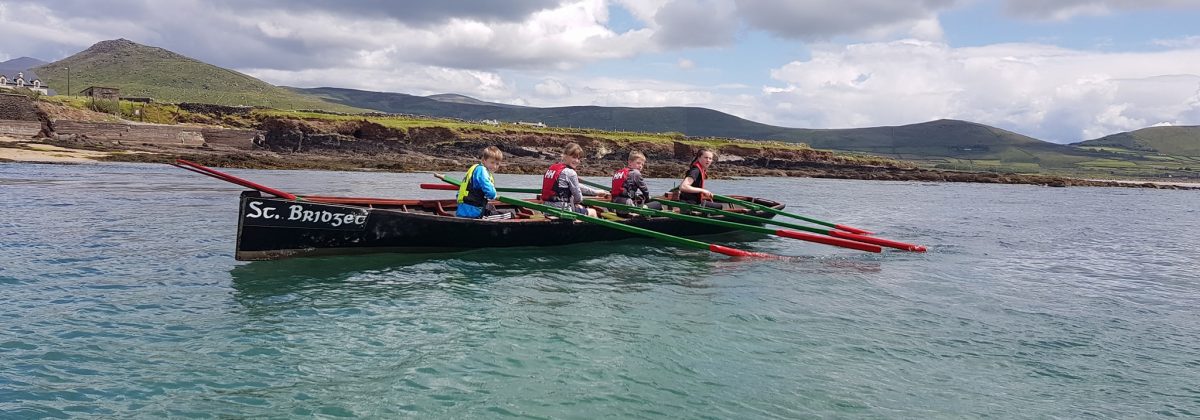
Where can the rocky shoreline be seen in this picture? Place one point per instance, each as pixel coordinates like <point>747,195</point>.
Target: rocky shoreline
<point>361,145</point>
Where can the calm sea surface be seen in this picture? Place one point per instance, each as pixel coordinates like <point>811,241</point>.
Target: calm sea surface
<point>121,299</point>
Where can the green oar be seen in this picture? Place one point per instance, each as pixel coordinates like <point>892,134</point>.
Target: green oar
<point>684,242</point>
<point>756,206</point>
<point>760,207</point>
<point>704,220</point>
<point>829,232</point>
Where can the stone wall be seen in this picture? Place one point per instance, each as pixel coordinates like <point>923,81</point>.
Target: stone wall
<point>230,138</point>
<point>157,135</point>
<point>20,129</point>
<point>17,107</point>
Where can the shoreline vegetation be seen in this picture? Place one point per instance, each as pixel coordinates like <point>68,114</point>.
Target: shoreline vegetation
<point>317,140</point>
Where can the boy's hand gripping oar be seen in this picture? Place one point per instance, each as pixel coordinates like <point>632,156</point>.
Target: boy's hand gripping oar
<point>704,220</point>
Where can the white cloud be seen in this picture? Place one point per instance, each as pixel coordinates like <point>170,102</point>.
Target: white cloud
<point>552,88</point>
<point>1044,91</point>
<point>1184,42</point>
<point>686,64</point>
<point>414,80</point>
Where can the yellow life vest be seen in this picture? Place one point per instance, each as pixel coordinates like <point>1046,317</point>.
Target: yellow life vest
<point>462,187</point>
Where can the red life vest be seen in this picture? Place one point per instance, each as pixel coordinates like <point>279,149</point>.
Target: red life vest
<point>550,181</point>
<point>618,182</point>
<point>703,175</point>
<point>698,183</point>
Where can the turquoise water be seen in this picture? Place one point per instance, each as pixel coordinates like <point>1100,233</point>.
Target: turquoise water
<point>122,299</point>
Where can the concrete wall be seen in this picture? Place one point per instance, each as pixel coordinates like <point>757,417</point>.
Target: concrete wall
<point>20,129</point>
<point>157,135</point>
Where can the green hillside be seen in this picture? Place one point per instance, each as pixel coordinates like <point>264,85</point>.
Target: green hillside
<point>140,70</point>
<point>1179,140</point>
<point>946,143</point>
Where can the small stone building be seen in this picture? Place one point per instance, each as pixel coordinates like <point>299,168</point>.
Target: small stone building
<point>100,92</point>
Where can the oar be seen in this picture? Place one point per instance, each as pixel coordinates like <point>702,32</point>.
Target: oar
<point>198,168</point>
<point>684,242</point>
<point>830,232</point>
<point>204,170</point>
<point>704,220</point>
<point>454,186</point>
<point>756,206</point>
<point>760,207</point>
<point>689,243</point>
<point>456,183</point>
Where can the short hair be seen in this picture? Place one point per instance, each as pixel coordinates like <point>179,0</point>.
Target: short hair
<point>493,153</point>
<point>572,150</point>
<point>700,153</point>
<point>635,155</point>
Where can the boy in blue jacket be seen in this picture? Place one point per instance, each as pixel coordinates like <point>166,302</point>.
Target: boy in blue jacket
<point>477,186</point>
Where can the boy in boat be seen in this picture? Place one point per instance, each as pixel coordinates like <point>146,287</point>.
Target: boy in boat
<point>629,188</point>
<point>691,190</point>
<point>560,185</point>
<point>477,186</point>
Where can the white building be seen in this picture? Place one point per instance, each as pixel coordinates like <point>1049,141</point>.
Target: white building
<point>19,82</point>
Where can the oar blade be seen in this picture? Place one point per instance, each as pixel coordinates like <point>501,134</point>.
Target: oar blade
<point>829,240</point>
<point>878,241</point>
<point>734,252</point>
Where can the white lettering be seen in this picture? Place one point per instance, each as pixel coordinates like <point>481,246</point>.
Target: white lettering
<point>299,213</point>
<point>256,210</point>
<point>549,174</point>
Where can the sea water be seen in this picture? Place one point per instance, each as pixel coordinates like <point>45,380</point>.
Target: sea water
<point>121,298</point>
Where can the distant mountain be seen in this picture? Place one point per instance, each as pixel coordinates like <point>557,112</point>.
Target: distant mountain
<point>687,120</point>
<point>933,140</point>
<point>1171,140</point>
<point>140,70</point>
<point>25,65</point>
<point>467,100</point>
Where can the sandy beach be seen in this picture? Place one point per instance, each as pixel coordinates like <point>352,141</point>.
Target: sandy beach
<point>21,150</point>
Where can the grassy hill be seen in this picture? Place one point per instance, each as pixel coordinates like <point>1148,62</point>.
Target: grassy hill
<point>948,144</point>
<point>1179,140</point>
<point>140,70</point>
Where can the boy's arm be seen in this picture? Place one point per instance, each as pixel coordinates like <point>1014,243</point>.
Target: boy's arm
<point>635,176</point>
<point>481,179</point>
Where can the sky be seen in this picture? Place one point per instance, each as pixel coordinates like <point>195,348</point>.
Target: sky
<point>1061,70</point>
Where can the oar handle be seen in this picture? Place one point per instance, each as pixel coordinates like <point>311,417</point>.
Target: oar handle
<point>456,183</point>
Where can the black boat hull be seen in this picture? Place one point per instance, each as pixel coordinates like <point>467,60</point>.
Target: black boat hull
<point>273,228</point>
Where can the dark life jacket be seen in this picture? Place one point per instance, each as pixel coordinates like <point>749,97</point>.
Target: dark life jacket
<point>550,189</point>
<point>696,182</point>
<point>470,192</point>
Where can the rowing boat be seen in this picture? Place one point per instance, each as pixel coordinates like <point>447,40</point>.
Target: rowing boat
<point>273,227</point>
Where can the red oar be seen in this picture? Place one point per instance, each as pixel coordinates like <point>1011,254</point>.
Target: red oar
<point>829,232</point>
<point>732,225</point>
<point>196,167</point>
